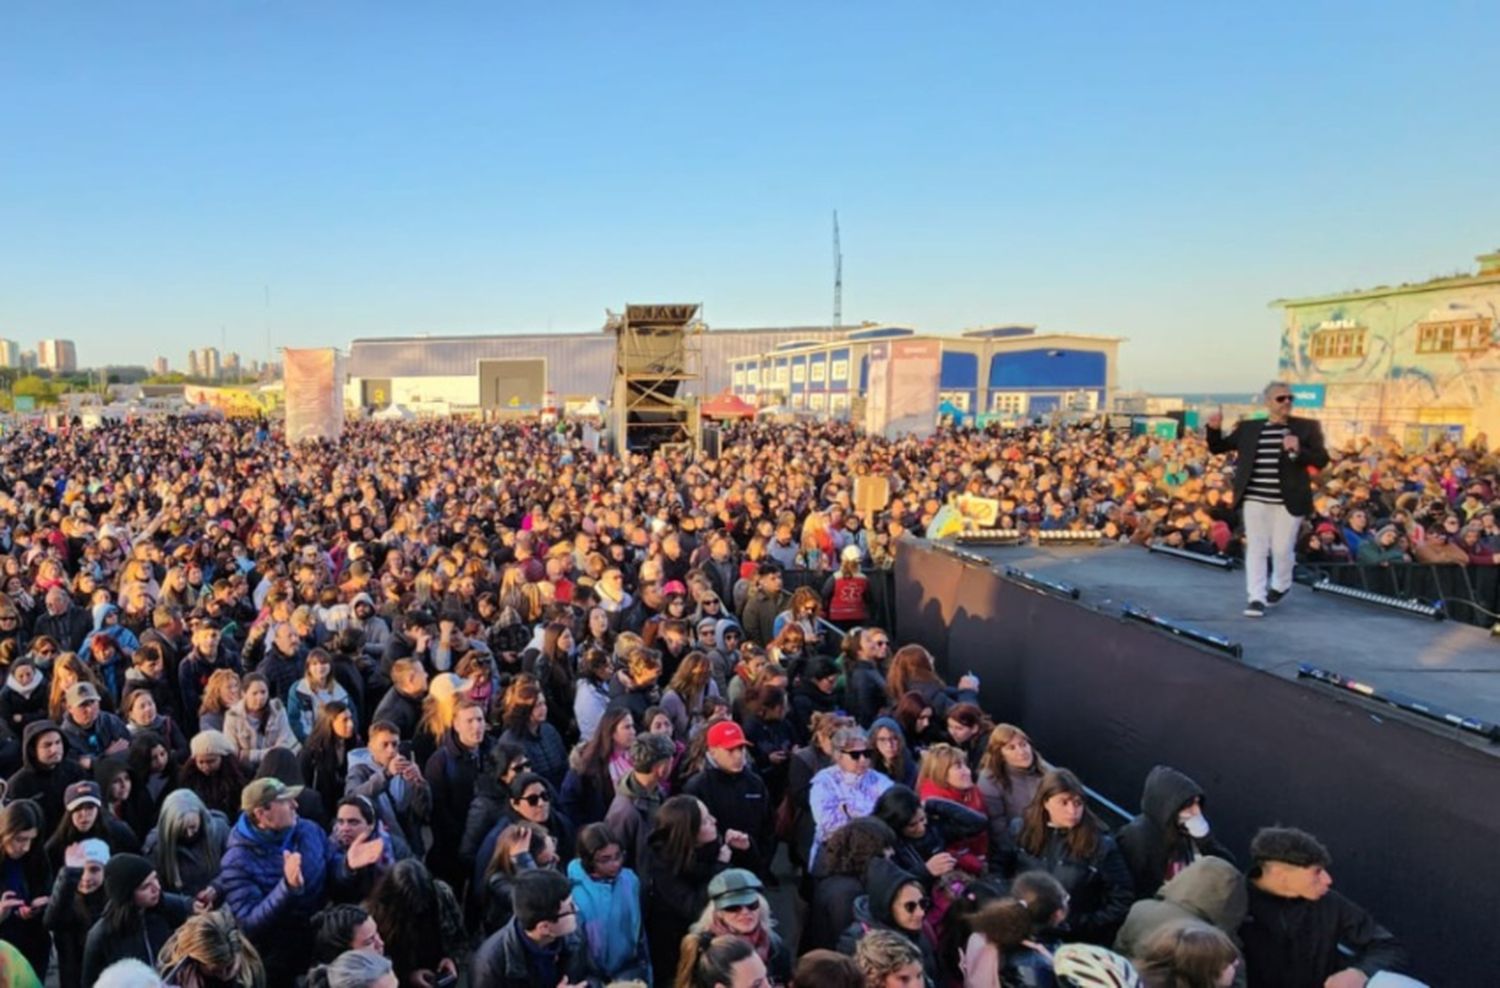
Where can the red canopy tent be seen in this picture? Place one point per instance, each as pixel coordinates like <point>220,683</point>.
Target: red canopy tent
<point>727,406</point>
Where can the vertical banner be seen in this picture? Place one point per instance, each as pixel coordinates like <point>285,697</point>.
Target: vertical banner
<point>877,396</point>
<point>314,398</point>
<point>915,372</point>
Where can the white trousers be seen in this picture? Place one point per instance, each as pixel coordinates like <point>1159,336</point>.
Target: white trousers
<point>1270,532</point>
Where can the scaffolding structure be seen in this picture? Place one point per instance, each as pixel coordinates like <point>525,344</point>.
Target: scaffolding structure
<point>658,355</point>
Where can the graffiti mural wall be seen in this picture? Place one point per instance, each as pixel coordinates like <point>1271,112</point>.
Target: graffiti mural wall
<point>1420,363</point>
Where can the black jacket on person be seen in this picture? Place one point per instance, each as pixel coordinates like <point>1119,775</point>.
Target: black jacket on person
<point>1153,843</point>
<point>1099,889</point>
<point>865,693</point>
<point>739,801</point>
<point>505,961</point>
<point>405,712</point>
<point>544,750</point>
<point>68,629</point>
<point>637,699</point>
<point>451,774</point>
<point>143,943</point>
<point>45,785</point>
<point>674,899</point>
<point>831,912</point>
<point>1296,943</point>
<point>807,700</point>
<point>1296,487</point>
<point>873,912</point>
<point>70,924</point>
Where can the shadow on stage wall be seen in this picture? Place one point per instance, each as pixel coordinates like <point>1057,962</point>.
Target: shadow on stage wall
<point>1412,818</point>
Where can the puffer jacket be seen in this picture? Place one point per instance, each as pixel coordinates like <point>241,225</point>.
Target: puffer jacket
<point>252,744</point>
<point>1154,845</point>
<point>273,914</point>
<point>610,922</point>
<point>303,703</point>
<point>545,750</point>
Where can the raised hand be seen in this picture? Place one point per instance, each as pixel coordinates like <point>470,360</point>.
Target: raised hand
<point>365,851</point>
<point>73,856</point>
<point>291,868</point>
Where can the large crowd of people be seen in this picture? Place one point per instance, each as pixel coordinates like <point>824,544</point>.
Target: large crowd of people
<point>449,701</point>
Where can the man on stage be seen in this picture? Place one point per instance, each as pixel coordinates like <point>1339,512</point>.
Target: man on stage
<point>1272,488</point>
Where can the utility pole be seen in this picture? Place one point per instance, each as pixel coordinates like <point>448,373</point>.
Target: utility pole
<point>838,275</point>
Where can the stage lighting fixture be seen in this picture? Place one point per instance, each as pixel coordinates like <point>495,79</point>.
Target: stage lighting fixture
<point>1472,725</point>
<point>1404,604</point>
<point>972,559</point>
<point>1216,560</point>
<point>990,536</point>
<point>1041,583</point>
<point>1206,638</point>
<point>1063,535</point>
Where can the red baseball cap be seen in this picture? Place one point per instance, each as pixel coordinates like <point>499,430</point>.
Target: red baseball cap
<point>727,734</point>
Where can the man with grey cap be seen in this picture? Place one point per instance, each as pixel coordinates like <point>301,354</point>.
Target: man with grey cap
<point>89,731</point>
<point>639,794</point>
<point>276,871</point>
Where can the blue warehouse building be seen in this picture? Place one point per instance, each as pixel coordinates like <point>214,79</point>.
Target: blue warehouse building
<point>1012,372</point>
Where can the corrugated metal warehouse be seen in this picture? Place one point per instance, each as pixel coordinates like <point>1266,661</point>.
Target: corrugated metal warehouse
<point>514,371</point>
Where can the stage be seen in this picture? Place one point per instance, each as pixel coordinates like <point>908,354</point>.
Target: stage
<point>1409,807</point>
<point>1447,664</point>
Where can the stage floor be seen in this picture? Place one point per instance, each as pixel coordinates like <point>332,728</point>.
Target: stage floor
<point>1448,664</point>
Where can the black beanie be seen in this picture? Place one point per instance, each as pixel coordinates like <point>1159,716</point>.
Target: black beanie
<point>124,874</point>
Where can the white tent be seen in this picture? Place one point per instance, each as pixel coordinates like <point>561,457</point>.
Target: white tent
<point>394,413</point>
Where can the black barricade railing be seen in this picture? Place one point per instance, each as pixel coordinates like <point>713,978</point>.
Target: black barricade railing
<point>1470,594</point>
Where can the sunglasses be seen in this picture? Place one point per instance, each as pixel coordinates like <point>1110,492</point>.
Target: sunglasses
<point>535,799</point>
<point>922,904</point>
<point>860,754</point>
<point>1282,399</point>
<point>743,907</point>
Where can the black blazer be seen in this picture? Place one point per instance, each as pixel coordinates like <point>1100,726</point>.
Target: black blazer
<point>1296,488</point>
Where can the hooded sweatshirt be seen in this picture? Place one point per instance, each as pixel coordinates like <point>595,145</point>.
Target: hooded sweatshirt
<point>1209,890</point>
<point>45,784</point>
<point>873,912</point>
<point>610,921</point>
<point>1155,846</point>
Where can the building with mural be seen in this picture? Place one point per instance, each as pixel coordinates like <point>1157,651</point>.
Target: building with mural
<point>1419,362</point>
<point>1012,372</point>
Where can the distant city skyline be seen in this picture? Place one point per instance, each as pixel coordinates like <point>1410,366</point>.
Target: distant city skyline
<point>268,176</point>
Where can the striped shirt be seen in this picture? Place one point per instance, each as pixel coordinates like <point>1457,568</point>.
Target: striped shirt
<point>1265,479</point>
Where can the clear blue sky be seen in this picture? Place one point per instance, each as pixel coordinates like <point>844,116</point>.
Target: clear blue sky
<point>1157,172</point>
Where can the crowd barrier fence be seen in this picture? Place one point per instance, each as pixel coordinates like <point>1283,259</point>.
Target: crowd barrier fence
<point>1470,594</point>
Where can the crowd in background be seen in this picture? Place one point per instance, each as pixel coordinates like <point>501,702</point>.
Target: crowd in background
<point>450,701</point>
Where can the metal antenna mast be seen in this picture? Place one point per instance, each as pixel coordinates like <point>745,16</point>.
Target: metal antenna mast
<point>838,275</point>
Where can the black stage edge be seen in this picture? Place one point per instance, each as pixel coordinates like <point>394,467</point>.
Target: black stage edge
<point>1411,814</point>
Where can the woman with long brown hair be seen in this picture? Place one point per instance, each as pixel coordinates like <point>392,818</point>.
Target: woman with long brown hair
<point>596,766</point>
<point>1061,836</point>
<point>913,669</point>
<point>683,854</point>
<point>524,717</point>
<point>1010,772</point>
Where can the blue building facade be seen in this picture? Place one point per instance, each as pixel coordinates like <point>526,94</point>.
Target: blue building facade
<point>1011,372</point>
